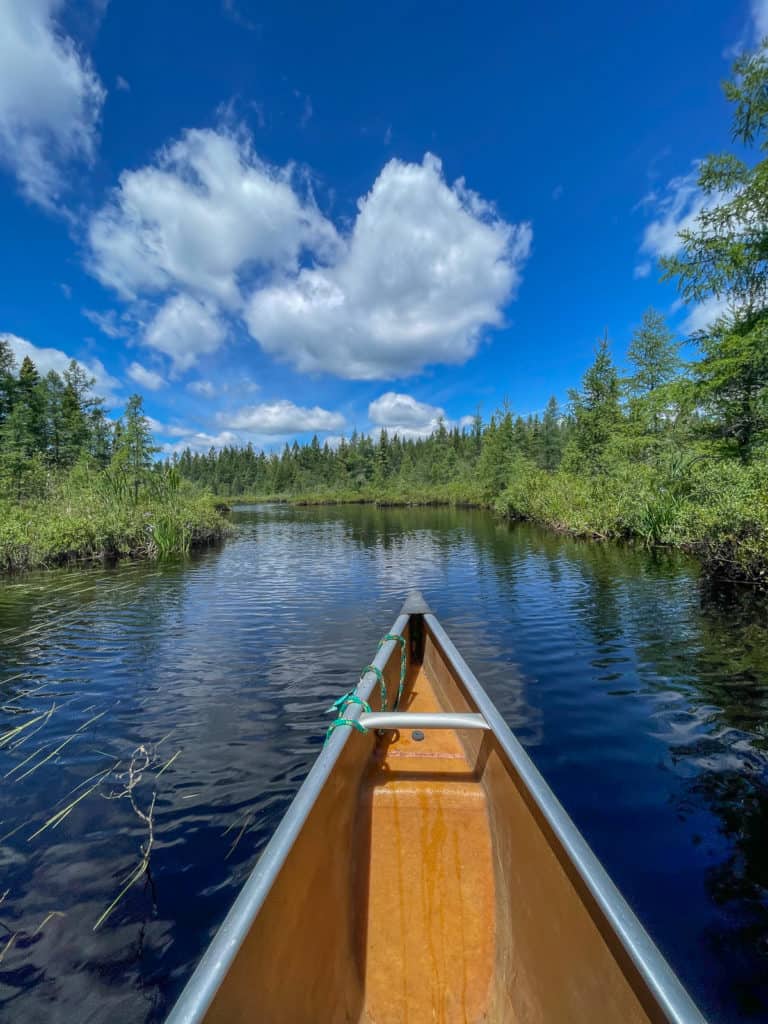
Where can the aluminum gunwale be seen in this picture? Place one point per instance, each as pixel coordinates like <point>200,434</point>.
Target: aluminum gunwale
<point>211,971</point>
<point>639,946</point>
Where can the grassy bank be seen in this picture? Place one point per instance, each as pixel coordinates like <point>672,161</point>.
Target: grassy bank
<point>87,518</point>
<point>716,509</point>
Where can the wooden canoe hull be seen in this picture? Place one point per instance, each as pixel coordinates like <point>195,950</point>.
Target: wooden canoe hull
<point>432,880</point>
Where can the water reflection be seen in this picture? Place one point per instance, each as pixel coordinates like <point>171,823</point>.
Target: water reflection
<point>640,695</point>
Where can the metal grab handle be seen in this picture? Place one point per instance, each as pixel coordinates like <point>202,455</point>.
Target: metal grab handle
<point>415,720</point>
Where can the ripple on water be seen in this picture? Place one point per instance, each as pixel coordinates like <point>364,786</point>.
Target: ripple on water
<point>643,702</point>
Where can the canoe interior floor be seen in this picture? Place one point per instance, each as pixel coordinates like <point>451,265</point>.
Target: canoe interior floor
<point>425,911</point>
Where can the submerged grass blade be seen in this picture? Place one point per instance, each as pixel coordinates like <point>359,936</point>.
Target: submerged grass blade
<point>55,820</point>
<point>60,747</point>
<point>6,737</point>
<point>133,878</point>
<point>168,764</point>
<point>47,918</point>
<point>7,946</point>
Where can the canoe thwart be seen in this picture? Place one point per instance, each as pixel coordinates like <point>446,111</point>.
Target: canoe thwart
<point>423,720</point>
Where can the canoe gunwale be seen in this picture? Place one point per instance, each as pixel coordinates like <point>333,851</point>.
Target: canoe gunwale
<point>661,980</point>
<point>655,973</point>
<point>201,988</point>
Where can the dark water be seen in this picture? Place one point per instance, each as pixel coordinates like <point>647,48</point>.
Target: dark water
<point>642,698</point>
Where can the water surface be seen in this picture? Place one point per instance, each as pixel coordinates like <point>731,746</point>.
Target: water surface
<point>641,697</point>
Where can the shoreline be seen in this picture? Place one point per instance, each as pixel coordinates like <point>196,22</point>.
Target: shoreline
<point>722,559</point>
<point>44,537</point>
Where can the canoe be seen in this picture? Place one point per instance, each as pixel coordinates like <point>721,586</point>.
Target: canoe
<point>426,872</point>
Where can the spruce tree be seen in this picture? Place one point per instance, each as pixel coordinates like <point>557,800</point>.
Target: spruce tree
<point>596,409</point>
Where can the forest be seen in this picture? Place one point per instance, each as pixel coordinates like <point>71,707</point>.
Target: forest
<point>76,485</point>
<point>671,450</point>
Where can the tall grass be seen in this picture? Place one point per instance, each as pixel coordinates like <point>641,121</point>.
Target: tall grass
<point>92,515</point>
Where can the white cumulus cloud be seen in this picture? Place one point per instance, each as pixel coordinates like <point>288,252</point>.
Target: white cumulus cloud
<point>46,359</point>
<point>282,417</point>
<point>145,377</point>
<point>50,98</point>
<point>423,270</point>
<point>426,267</point>
<point>205,211</point>
<point>409,418</point>
<point>185,328</point>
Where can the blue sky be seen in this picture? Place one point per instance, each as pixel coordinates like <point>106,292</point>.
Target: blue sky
<point>272,220</point>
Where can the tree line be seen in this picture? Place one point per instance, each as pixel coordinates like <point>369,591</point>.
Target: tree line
<point>50,423</point>
<point>666,415</point>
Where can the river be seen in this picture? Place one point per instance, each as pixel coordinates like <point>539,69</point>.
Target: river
<point>642,697</point>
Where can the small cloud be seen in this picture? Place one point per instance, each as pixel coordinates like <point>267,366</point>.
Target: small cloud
<point>557,192</point>
<point>407,417</point>
<point>66,291</point>
<point>107,323</point>
<point>676,209</point>
<point>206,388</point>
<point>642,270</point>
<point>122,84</point>
<point>388,135</point>
<point>702,315</point>
<point>202,442</point>
<point>282,417</point>
<point>146,378</point>
<point>168,430</point>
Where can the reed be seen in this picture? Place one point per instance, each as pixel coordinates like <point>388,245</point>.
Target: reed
<point>89,517</point>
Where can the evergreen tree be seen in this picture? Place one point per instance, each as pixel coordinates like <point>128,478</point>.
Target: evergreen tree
<point>654,355</point>
<point>497,457</point>
<point>596,409</point>
<point>133,444</point>
<point>7,379</point>
<point>724,256</point>
<point>551,440</point>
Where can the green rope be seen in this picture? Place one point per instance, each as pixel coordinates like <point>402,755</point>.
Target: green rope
<point>341,704</point>
<point>343,721</point>
<point>382,684</point>
<point>403,664</point>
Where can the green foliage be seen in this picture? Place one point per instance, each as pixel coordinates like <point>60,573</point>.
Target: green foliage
<point>656,394</point>
<point>71,489</point>
<point>724,256</point>
<point>596,412</point>
<point>133,447</point>
<point>82,518</point>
